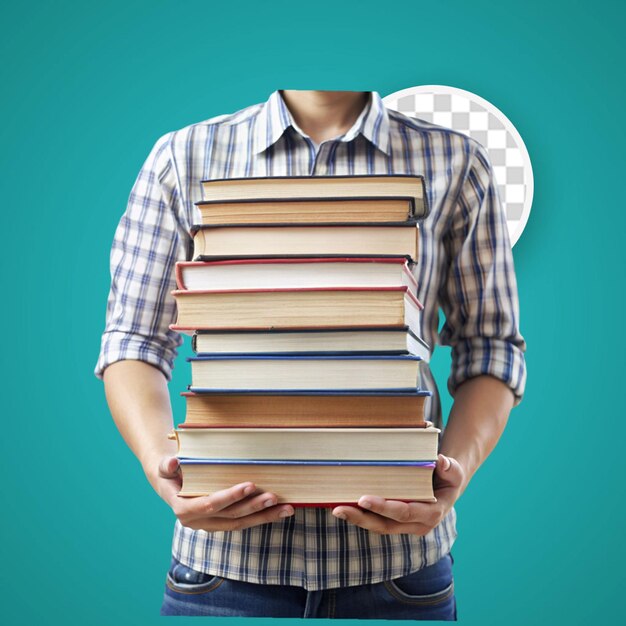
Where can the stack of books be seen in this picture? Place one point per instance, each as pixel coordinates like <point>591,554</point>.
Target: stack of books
<point>305,319</point>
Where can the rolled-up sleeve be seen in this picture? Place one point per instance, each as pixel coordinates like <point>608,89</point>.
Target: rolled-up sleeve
<point>149,239</point>
<point>478,293</point>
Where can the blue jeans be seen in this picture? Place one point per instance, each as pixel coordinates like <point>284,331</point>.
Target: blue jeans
<point>427,594</point>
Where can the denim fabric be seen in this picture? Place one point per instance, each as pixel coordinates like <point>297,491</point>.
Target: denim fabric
<point>427,594</point>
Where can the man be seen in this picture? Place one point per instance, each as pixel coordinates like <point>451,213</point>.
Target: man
<point>382,559</point>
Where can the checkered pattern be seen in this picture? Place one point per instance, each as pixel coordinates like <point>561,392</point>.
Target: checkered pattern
<point>466,113</point>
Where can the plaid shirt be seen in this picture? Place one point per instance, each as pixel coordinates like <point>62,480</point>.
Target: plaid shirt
<point>465,267</point>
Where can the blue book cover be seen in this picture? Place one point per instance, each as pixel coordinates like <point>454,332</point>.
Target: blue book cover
<point>320,392</point>
<point>329,356</point>
<point>197,461</point>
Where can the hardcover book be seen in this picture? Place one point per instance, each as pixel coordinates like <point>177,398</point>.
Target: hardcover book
<point>315,444</point>
<point>296,273</point>
<point>328,409</point>
<point>318,483</point>
<point>311,341</point>
<point>297,308</point>
<point>284,240</point>
<point>330,195</point>
<point>306,373</point>
<point>306,211</point>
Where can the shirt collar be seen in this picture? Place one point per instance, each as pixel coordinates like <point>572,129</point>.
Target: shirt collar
<point>274,119</point>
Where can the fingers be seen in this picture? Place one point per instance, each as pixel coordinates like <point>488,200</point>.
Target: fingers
<point>240,506</point>
<point>220,500</point>
<point>249,505</point>
<point>393,516</point>
<point>423,512</point>
<point>272,514</point>
<point>231,509</point>
<point>233,503</point>
<point>205,506</point>
<point>377,523</point>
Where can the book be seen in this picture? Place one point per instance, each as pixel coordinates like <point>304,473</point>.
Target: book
<point>311,341</point>
<point>284,240</point>
<point>314,444</point>
<point>306,211</point>
<point>296,308</point>
<point>326,409</point>
<point>319,483</point>
<point>306,373</point>
<point>334,198</point>
<point>295,273</point>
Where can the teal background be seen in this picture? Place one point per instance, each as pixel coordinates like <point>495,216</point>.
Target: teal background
<point>88,88</point>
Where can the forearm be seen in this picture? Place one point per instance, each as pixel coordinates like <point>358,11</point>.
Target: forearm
<point>139,402</point>
<point>479,414</point>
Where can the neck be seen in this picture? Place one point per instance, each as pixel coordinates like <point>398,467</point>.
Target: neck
<point>325,114</point>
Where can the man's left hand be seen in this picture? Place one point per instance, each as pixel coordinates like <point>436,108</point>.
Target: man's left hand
<point>389,517</point>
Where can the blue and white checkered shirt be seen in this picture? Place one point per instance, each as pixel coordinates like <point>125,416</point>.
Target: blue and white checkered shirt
<point>465,267</point>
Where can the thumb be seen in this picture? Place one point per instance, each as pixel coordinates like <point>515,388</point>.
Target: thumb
<point>169,467</point>
<point>448,469</point>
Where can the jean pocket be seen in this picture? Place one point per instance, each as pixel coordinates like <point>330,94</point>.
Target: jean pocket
<point>427,587</point>
<point>183,579</point>
<point>423,599</point>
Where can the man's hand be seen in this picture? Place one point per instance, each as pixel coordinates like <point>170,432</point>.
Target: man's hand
<point>238,507</point>
<point>389,517</point>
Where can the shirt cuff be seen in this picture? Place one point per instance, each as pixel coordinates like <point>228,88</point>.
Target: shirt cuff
<point>492,357</point>
<point>121,346</point>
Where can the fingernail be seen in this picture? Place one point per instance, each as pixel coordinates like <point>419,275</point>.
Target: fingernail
<point>269,502</point>
<point>286,513</point>
<point>366,504</point>
<point>340,515</point>
<point>248,490</point>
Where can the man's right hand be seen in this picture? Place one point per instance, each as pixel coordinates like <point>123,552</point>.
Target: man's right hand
<point>238,507</point>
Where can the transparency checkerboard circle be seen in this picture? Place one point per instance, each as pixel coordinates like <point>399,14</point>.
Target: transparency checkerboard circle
<point>474,116</point>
